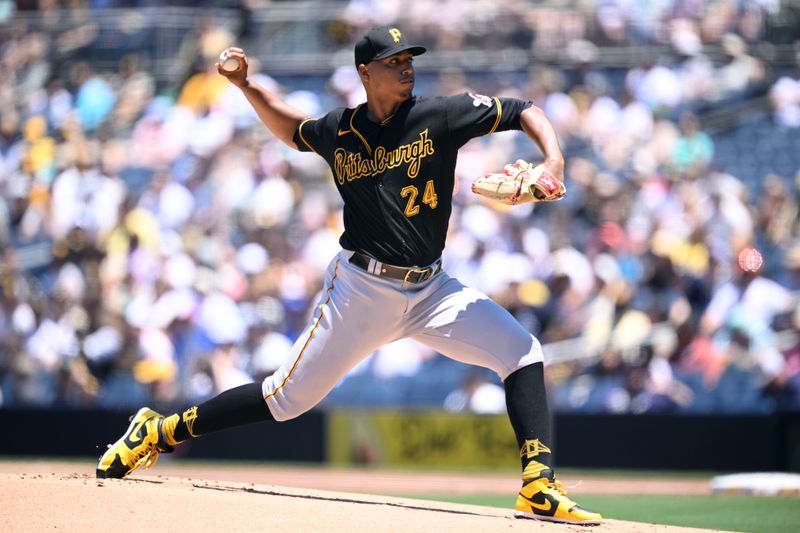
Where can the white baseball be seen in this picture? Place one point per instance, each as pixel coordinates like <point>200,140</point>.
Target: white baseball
<point>228,64</point>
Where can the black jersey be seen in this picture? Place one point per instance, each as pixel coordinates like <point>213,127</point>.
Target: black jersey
<point>396,177</point>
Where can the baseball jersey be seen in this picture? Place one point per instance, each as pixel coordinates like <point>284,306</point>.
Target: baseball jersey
<point>396,177</point>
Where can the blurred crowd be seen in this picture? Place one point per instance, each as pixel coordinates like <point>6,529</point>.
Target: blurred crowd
<point>160,246</point>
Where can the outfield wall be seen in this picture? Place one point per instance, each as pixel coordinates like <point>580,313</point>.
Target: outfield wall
<point>433,439</point>
<point>85,433</point>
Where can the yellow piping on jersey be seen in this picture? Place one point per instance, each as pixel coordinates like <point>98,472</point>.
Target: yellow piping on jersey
<point>302,137</point>
<point>310,336</point>
<point>352,127</point>
<point>499,114</point>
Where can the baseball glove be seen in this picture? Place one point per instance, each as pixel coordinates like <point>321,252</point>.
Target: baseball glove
<point>520,183</point>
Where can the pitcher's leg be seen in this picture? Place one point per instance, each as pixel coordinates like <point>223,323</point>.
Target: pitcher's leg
<point>357,313</point>
<point>353,318</point>
<point>466,325</point>
<point>234,407</point>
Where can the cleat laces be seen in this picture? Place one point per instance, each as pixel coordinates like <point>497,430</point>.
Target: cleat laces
<point>558,486</point>
<point>146,457</point>
<point>562,489</point>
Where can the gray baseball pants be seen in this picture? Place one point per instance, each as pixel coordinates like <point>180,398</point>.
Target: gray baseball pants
<point>359,312</point>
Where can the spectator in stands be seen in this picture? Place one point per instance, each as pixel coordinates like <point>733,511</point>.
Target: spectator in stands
<point>655,85</point>
<point>476,394</point>
<point>777,211</point>
<point>694,148</point>
<point>697,355</point>
<point>785,98</point>
<point>748,295</point>
<point>790,277</point>
<point>741,72</point>
<point>694,67</point>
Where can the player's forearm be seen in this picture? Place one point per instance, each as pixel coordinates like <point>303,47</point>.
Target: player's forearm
<point>537,127</point>
<point>278,116</point>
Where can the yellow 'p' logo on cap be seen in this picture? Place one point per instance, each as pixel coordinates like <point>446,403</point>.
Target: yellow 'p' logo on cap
<point>396,35</point>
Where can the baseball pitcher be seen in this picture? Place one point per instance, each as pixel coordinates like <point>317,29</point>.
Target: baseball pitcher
<point>393,160</point>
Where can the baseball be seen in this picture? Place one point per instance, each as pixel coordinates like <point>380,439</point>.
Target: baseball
<point>227,63</point>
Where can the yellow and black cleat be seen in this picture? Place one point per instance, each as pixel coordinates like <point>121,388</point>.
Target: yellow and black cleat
<point>544,498</point>
<point>139,446</point>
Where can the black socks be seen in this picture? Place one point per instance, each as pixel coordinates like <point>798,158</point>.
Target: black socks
<point>526,401</point>
<point>235,407</point>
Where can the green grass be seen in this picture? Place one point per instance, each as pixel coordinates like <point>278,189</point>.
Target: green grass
<point>578,473</point>
<point>733,513</point>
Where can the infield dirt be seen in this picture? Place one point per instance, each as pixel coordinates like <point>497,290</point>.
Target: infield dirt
<point>39,496</point>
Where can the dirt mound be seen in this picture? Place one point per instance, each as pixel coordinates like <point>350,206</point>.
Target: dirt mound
<point>79,502</point>
<point>374,481</point>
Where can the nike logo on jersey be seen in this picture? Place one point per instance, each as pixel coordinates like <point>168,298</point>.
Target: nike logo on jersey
<point>344,132</point>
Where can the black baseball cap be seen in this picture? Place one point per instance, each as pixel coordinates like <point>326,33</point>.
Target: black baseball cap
<point>382,42</point>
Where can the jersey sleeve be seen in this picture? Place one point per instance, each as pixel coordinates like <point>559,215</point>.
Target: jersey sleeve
<point>318,134</point>
<point>472,115</point>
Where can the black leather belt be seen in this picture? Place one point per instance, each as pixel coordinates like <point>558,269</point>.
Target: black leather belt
<point>409,275</point>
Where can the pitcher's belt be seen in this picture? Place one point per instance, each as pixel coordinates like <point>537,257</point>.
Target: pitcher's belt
<point>407,274</point>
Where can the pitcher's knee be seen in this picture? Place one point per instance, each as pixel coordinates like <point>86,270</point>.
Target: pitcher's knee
<point>283,403</point>
<point>530,353</point>
<point>283,412</point>
<point>283,408</point>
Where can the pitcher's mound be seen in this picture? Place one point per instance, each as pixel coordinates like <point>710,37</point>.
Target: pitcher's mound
<point>79,502</point>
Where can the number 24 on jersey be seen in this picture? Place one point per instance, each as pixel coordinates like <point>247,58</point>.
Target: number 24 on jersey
<point>411,192</point>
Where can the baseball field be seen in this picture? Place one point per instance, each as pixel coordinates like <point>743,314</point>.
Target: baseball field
<point>38,495</point>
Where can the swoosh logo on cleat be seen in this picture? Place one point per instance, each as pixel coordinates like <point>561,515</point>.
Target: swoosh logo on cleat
<point>134,436</point>
<point>546,507</point>
<point>543,507</point>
